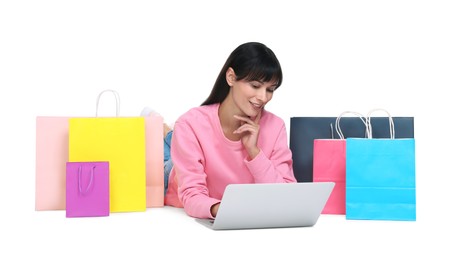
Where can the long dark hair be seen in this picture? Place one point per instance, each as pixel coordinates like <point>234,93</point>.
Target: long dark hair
<point>250,61</point>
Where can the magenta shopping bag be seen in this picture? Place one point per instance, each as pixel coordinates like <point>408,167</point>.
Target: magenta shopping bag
<point>329,165</point>
<point>87,189</point>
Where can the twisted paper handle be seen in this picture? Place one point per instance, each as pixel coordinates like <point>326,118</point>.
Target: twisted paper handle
<point>369,125</point>
<point>116,98</point>
<point>338,119</point>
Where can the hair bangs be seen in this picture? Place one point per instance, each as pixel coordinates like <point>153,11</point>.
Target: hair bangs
<point>264,71</point>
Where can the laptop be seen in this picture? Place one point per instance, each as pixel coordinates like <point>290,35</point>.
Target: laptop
<point>270,205</point>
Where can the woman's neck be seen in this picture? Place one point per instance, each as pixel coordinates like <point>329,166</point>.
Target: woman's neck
<point>229,124</point>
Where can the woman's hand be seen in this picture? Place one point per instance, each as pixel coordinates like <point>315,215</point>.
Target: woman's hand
<point>249,131</point>
<point>214,209</point>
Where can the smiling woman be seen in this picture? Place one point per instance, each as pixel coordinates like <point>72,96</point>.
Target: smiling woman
<point>230,138</point>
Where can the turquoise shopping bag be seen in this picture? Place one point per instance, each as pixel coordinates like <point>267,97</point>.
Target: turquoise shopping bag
<point>380,178</point>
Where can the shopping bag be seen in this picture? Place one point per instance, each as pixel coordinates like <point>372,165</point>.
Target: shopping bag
<point>380,176</point>
<point>120,141</point>
<point>51,158</point>
<point>329,165</point>
<point>87,189</point>
<point>303,131</point>
<point>154,161</point>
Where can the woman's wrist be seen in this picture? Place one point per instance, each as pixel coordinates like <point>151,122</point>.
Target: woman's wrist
<point>214,209</point>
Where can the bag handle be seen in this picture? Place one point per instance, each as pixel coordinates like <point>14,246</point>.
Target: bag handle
<point>80,180</point>
<point>115,93</point>
<point>338,119</point>
<point>369,125</point>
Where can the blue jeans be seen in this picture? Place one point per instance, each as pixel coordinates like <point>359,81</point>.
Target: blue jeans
<point>167,162</point>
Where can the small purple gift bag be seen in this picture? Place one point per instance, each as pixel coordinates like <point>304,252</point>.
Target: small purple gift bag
<point>87,189</point>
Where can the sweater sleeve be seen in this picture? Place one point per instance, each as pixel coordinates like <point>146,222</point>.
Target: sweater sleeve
<point>189,162</point>
<point>277,166</point>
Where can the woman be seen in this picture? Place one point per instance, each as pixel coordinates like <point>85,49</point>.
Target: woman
<point>230,138</point>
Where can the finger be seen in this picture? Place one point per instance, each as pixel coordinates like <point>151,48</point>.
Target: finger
<point>243,119</point>
<point>245,128</point>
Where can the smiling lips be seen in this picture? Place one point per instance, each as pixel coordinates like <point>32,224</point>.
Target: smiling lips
<point>257,106</point>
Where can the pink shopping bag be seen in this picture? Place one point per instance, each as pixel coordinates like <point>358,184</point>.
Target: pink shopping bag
<point>329,165</point>
<point>51,158</point>
<point>87,189</point>
<point>154,161</point>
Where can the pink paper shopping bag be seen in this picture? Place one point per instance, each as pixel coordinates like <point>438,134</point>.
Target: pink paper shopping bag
<point>87,189</point>
<point>329,165</point>
<point>154,161</point>
<point>51,158</point>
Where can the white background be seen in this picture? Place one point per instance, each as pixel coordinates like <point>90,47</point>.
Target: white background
<point>56,56</point>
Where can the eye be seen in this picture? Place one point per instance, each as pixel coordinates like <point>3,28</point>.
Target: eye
<point>270,90</point>
<point>255,85</point>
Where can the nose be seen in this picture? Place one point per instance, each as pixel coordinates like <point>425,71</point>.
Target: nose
<point>261,95</point>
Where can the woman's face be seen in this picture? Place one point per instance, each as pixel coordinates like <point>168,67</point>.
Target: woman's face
<point>250,97</point>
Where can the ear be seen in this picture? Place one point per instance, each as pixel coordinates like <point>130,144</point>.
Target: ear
<point>230,76</point>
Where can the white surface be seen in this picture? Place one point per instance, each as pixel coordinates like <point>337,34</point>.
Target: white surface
<point>169,232</point>
<point>56,56</point>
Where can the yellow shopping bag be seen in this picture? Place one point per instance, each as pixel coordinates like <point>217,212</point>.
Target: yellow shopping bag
<point>120,141</point>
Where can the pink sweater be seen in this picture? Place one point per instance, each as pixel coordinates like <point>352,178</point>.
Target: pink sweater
<point>205,161</point>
